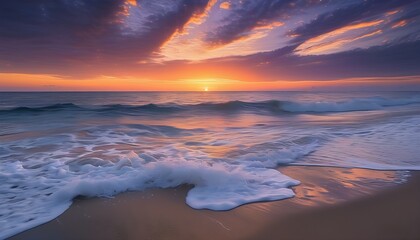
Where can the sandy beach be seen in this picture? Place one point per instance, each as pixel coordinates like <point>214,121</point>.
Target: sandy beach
<point>330,203</point>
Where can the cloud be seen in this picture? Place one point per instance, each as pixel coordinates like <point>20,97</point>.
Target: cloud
<point>391,60</point>
<point>88,38</point>
<point>408,16</point>
<point>325,43</point>
<point>225,5</point>
<point>338,18</point>
<point>77,37</point>
<point>387,61</point>
<point>246,15</point>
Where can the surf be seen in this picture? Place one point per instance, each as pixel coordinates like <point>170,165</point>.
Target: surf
<point>269,106</point>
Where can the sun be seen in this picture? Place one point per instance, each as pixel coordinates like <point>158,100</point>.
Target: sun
<point>206,89</point>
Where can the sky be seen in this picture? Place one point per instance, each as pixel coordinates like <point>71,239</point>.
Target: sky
<point>218,45</point>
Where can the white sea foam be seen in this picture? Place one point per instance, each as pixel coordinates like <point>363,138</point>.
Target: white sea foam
<point>39,190</point>
<point>388,146</point>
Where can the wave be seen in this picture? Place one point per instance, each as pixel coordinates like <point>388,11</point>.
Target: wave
<point>103,108</point>
<point>361,104</point>
<point>50,108</point>
<point>271,106</point>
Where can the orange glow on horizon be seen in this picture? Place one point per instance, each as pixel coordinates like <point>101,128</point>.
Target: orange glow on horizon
<point>38,82</point>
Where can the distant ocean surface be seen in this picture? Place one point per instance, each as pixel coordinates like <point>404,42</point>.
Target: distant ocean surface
<point>56,146</point>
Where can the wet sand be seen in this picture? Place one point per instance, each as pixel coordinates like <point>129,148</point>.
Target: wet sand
<point>331,203</point>
<point>391,214</point>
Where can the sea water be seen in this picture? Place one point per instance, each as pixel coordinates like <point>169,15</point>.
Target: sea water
<point>57,146</point>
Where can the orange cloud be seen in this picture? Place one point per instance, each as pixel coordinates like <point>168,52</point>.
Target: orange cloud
<point>269,26</point>
<point>331,41</point>
<point>225,5</point>
<point>401,23</point>
<point>193,48</point>
<point>132,2</point>
<point>343,30</point>
<point>196,19</point>
<point>392,12</point>
<point>200,17</point>
<point>334,45</point>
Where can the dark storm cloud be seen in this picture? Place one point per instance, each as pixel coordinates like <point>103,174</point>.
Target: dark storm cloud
<point>37,35</point>
<point>246,15</point>
<point>341,17</point>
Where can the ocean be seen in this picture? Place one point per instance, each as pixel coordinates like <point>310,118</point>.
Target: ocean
<point>228,145</point>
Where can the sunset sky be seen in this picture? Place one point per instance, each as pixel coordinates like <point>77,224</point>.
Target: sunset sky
<point>190,45</point>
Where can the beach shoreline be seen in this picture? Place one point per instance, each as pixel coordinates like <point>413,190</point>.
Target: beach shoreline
<point>393,213</point>
<point>330,203</point>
